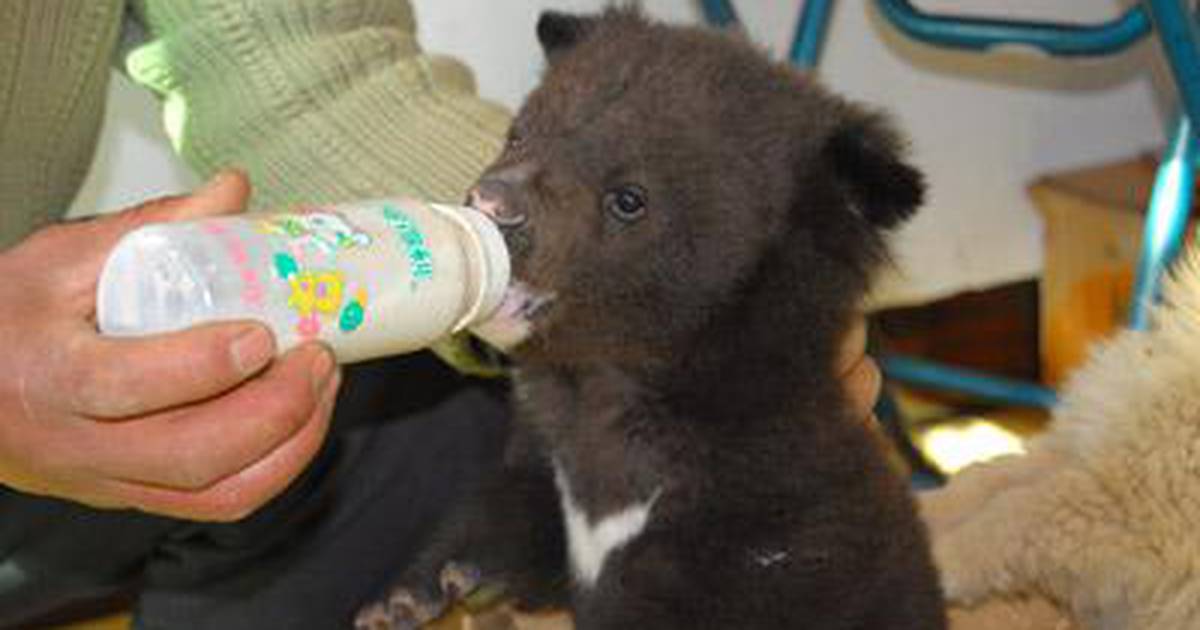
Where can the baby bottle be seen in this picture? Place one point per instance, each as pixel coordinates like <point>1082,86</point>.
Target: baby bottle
<point>371,279</point>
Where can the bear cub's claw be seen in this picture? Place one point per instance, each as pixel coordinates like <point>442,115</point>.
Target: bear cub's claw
<point>408,607</point>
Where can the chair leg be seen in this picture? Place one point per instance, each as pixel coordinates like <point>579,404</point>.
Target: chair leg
<point>925,474</point>
<point>809,39</point>
<point>1166,220</point>
<point>1178,33</point>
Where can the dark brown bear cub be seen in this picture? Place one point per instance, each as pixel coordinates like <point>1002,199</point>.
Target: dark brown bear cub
<point>692,227</point>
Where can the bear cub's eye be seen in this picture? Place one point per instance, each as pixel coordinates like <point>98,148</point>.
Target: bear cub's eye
<point>627,203</point>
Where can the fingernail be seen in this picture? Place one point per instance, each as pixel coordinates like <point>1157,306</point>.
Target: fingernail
<point>322,368</point>
<point>216,181</point>
<point>252,350</point>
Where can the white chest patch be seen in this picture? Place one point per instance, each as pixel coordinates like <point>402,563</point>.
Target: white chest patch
<point>589,543</point>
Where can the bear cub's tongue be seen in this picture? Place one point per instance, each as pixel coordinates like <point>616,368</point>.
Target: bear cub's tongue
<point>513,320</point>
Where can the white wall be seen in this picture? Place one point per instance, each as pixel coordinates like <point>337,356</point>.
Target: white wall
<point>981,126</point>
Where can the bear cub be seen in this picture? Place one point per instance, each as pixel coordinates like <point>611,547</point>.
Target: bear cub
<point>693,227</point>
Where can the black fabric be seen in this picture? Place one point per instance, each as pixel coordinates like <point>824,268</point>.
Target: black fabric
<point>410,438</point>
<point>56,555</point>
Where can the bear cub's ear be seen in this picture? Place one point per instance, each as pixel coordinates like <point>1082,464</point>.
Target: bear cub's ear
<point>866,157</point>
<point>558,32</point>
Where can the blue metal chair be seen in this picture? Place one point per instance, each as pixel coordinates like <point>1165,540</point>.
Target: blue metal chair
<point>1177,31</point>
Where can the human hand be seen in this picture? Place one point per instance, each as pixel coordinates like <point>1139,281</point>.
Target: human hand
<point>859,373</point>
<point>204,424</point>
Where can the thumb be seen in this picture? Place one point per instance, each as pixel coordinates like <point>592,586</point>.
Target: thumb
<point>225,193</point>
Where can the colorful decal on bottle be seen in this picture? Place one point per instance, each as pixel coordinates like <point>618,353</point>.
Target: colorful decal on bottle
<point>286,266</point>
<point>253,292</point>
<point>327,231</point>
<point>319,294</point>
<point>420,259</point>
<point>316,292</point>
<point>355,312</point>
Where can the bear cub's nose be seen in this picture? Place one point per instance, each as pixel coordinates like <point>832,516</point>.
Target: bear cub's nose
<point>488,196</point>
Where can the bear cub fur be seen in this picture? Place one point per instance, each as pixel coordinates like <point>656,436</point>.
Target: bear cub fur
<point>693,228</point>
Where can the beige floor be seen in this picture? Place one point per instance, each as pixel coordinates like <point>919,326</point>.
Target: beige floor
<point>116,622</point>
<point>499,618</point>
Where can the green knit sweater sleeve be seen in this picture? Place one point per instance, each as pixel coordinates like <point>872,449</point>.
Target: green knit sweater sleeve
<point>54,69</point>
<point>317,100</point>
